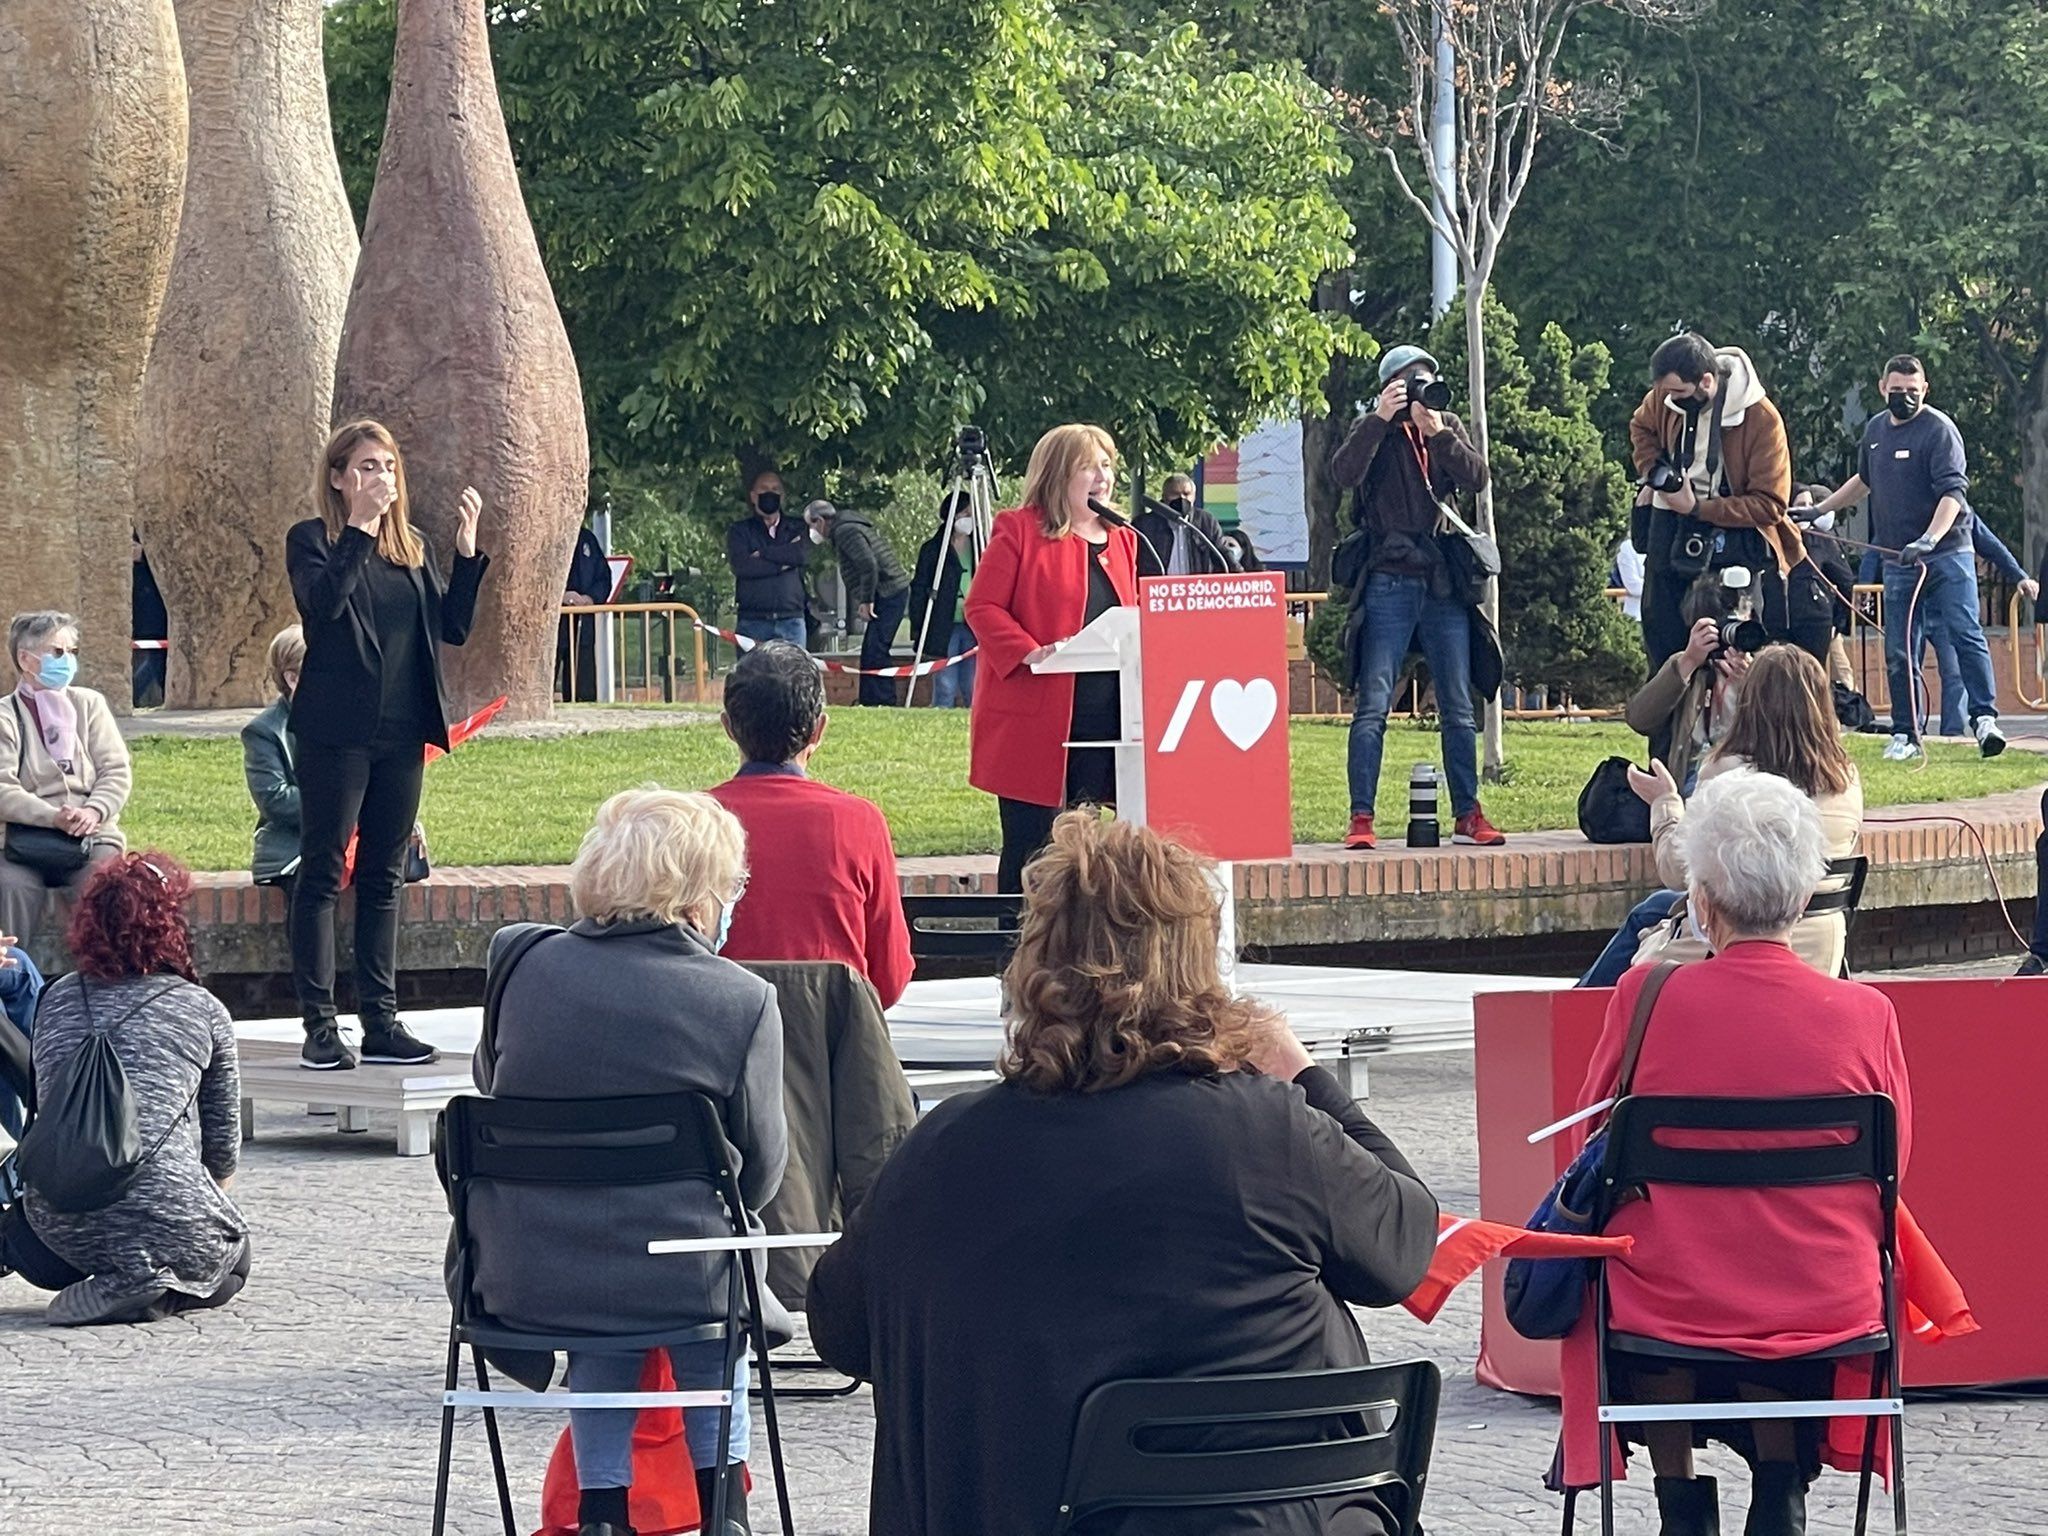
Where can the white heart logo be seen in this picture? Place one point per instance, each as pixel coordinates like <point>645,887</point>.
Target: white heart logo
<point>1243,711</point>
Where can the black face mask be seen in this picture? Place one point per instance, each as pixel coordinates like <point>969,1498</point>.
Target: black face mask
<point>768,503</point>
<point>1692,405</point>
<point>1904,404</point>
<point>1180,504</point>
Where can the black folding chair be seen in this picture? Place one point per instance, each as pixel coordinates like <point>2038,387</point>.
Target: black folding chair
<point>964,927</point>
<point>1218,1441</point>
<point>1841,891</point>
<point>596,1143</point>
<point>1638,1158</point>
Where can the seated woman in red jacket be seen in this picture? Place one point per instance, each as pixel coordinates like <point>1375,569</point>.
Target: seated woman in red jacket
<point>1162,1185</point>
<point>1768,1274</point>
<point>1052,568</point>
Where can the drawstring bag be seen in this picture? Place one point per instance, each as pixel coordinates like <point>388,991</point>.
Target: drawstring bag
<point>83,1151</point>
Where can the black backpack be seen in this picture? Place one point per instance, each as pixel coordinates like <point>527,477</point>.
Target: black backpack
<point>1609,811</point>
<point>83,1151</point>
<point>1853,710</point>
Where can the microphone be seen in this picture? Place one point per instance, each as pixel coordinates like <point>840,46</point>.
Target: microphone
<point>1167,510</point>
<point>1116,519</point>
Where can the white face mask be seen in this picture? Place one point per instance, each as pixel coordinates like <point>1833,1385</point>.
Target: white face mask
<point>817,535</point>
<point>963,524</point>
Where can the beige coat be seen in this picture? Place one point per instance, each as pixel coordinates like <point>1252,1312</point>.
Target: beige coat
<point>33,788</point>
<point>1821,941</point>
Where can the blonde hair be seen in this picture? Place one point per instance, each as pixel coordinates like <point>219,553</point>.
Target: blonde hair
<point>1058,455</point>
<point>287,654</point>
<point>1115,974</point>
<point>396,540</point>
<point>657,853</point>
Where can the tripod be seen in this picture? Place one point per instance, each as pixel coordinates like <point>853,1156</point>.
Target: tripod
<point>972,491</point>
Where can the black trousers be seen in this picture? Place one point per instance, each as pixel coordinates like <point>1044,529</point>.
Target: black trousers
<point>876,645</point>
<point>375,793</point>
<point>1800,610</point>
<point>1027,828</point>
<point>1664,626</point>
<point>584,627</point>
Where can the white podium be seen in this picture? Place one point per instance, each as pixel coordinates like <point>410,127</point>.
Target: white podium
<point>1111,644</point>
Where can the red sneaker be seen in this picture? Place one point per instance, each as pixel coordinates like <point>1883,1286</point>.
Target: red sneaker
<point>1473,827</point>
<point>1361,834</point>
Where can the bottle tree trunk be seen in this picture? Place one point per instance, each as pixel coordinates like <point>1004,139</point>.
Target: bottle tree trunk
<point>92,165</point>
<point>236,400</point>
<point>453,341</point>
<point>1492,756</point>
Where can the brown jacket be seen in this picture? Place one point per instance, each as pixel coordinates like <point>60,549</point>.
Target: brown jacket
<point>1756,463</point>
<point>847,1101</point>
<point>33,789</point>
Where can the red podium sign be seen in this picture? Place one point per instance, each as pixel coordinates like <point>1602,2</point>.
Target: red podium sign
<point>1216,766</point>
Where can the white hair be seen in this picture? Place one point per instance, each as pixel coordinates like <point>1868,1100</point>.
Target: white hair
<point>33,631</point>
<point>1753,846</point>
<point>657,853</point>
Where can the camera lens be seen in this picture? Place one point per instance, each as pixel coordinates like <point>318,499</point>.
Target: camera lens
<point>1745,635</point>
<point>1435,395</point>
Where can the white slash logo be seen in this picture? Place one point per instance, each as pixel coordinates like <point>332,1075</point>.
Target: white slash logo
<point>1242,711</point>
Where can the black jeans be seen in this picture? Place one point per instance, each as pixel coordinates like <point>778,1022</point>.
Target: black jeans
<point>1027,828</point>
<point>877,644</point>
<point>584,628</point>
<point>375,793</point>
<point>1664,626</point>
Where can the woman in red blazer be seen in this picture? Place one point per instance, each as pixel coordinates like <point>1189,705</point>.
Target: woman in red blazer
<point>1051,568</point>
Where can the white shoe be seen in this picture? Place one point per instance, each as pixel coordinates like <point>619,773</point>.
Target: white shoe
<point>1897,749</point>
<point>1990,739</point>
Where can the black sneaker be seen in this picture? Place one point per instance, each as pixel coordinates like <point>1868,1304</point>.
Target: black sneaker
<point>395,1045</point>
<point>326,1050</point>
<point>2033,965</point>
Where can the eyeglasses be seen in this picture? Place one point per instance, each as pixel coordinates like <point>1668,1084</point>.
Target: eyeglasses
<point>61,650</point>
<point>739,889</point>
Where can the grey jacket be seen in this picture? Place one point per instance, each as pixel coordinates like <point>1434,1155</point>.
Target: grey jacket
<point>614,1011</point>
<point>848,1102</point>
<point>867,562</point>
<point>267,763</point>
<point>175,1228</point>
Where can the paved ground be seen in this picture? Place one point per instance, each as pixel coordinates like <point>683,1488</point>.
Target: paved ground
<point>307,1406</point>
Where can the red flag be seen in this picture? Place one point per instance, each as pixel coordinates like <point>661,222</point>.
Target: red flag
<point>1463,1243</point>
<point>463,729</point>
<point>1936,1308</point>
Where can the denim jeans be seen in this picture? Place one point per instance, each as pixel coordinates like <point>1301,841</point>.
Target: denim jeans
<point>1620,952</point>
<point>1950,671</point>
<point>604,1436</point>
<point>877,643</point>
<point>1399,613</point>
<point>953,688</point>
<point>1947,605</point>
<point>20,985</point>
<point>791,629</point>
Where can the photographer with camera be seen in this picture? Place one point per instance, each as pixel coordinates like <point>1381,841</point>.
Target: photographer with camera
<point>1685,707</point>
<point>1716,474</point>
<point>1408,457</point>
<point>1912,467</point>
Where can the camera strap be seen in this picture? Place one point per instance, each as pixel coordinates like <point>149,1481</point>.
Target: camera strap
<point>1714,440</point>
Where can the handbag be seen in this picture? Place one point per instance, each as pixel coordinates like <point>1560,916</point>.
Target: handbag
<point>1609,811</point>
<point>55,856</point>
<point>1472,558</point>
<point>1545,1296</point>
<point>418,865</point>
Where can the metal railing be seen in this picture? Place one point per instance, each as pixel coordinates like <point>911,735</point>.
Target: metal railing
<point>637,648</point>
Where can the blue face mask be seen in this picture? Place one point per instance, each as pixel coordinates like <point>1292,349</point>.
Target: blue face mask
<point>57,671</point>
<point>724,927</point>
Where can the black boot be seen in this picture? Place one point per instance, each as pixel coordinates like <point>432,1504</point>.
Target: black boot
<point>1777,1501</point>
<point>735,1501</point>
<point>1688,1506</point>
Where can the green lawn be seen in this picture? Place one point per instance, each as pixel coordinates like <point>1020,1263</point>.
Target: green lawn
<point>502,801</point>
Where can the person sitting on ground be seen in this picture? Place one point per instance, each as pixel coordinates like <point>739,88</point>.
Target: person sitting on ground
<point>21,985</point>
<point>1763,1273</point>
<point>64,773</point>
<point>632,1000</point>
<point>824,883</point>
<point>267,764</point>
<point>1786,726</point>
<point>1163,1184</point>
<point>1685,707</point>
<point>172,1241</point>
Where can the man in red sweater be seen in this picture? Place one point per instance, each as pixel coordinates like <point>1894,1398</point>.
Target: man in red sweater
<point>822,870</point>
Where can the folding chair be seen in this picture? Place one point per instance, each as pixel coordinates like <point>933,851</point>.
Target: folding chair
<point>657,1139</point>
<point>1637,1158</point>
<point>1217,1441</point>
<point>966,927</point>
<point>1841,891</point>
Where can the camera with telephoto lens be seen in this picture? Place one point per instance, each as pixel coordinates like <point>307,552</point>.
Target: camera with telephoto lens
<point>1430,394</point>
<point>1737,631</point>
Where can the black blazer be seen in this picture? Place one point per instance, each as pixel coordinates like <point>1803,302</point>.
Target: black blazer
<point>336,703</point>
<point>1155,543</point>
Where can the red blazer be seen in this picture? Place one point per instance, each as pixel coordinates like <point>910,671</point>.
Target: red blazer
<point>1030,591</point>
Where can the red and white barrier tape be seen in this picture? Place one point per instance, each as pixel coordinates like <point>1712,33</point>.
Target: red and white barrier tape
<point>921,669</point>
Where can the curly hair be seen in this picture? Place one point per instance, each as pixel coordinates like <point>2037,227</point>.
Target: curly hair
<point>130,921</point>
<point>1115,974</point>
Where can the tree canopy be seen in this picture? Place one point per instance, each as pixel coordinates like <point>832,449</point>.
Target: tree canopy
<point>833,244</point>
